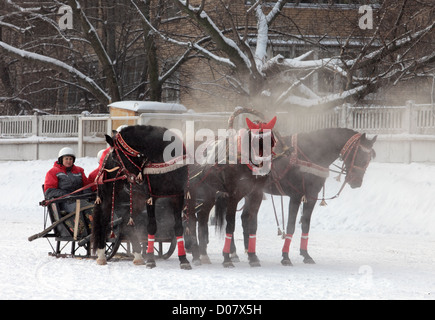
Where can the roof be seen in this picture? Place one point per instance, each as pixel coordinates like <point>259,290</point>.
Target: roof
<point>149,106</point>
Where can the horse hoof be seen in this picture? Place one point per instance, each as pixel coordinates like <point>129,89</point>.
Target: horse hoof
<point>139,262</point>
<point>185,266</point>
<point>286,262</point>
<point>196,262</point>
<point>138,259</point>
<point>150,264</point>
<point>228,264</point>
<point>309,260</point>
<point>307,257</point>
<point>101,262</point>
<point>234,257</point>
<point>205,259</point>
<point>253,260</point>
<point>254,263</point>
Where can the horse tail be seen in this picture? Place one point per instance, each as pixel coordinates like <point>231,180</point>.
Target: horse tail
<point>220,210</point>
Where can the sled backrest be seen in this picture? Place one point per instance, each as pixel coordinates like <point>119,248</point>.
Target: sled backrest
<point>54,215</point>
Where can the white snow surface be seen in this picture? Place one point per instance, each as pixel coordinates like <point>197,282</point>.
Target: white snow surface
<point>374,242</point>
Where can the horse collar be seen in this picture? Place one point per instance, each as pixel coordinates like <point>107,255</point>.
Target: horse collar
<point>305,164</point>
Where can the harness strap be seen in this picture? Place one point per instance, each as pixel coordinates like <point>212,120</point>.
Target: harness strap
<point>305,164</point>
<point>127,148</point>
<point>350,145</point>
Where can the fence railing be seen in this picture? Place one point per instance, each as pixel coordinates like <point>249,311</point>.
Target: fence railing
<point>411,118</point>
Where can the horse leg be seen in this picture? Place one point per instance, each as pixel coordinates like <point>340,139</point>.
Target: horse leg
<point>252,206</point>
<point>203,217</point>
<point>177,205</point>
<point>231,220</point>
<point>190,232</point>
<point>132,236</point>
<point>100,226</point>
<point>306,220</point>
<point>151,229</point>
<point>245,227</point>
<point>292,214</point>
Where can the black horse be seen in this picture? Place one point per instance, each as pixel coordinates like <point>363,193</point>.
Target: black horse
<point>134,175</point>
<point>247,176</point>
<point>302,174</point>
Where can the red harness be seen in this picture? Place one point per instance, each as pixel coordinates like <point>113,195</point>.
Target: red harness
<point>351,149</point>
<point>306,165</point>
<point>146,167</point>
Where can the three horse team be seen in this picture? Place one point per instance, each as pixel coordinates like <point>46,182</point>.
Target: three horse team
<point>147,164</point>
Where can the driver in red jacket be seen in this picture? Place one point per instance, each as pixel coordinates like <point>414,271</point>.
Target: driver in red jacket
<point>64,177</point>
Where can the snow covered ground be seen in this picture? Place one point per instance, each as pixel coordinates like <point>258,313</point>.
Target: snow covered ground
<point>375,242</point>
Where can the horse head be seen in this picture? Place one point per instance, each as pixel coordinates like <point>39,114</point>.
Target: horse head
<point>262,142</point>
<point>357,154</point>
<point>131,160</point>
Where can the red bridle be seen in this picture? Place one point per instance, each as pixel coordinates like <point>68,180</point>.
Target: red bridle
<point>351,149</point>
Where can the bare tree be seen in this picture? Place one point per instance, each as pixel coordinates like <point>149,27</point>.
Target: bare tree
<point>396,49</point>
<point>223,49</point>
<point>108,55</point>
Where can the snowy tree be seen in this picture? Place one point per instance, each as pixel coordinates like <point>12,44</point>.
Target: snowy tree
<point>396,46</point>
<point>95,51</point>
<point>233,50</point>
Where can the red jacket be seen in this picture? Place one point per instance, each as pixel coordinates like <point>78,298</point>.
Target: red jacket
<point>93,174</point>
<point>60,181</point>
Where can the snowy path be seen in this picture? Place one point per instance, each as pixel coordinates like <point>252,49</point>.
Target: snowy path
<point>376,242</point>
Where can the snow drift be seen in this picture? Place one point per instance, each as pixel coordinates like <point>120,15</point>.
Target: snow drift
<point>377,241</point>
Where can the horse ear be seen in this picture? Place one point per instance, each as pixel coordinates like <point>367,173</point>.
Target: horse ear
<point>374,139</point>
<point>270,124</point>
<point>109,140</point>
<point>252,125</point>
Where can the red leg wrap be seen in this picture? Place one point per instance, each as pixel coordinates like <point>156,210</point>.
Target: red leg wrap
<point>151,239</point>
<point>227,244</point>
<point>304,241</point>
<point>180,244</point>
<point>287,241</point>
<point>252,243</point>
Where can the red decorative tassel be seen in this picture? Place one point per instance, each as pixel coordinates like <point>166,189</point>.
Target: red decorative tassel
<point>112,235</point>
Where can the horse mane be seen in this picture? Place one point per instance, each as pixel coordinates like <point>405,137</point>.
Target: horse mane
<point>148,140</point>
<point>322,146</point>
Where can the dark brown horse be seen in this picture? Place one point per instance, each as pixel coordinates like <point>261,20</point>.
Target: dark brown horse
<point>302,175</point>
<point>234,180</point>
<point>135,174</point>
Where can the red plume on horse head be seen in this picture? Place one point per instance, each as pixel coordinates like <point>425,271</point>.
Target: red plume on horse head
<point>261,125</point>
